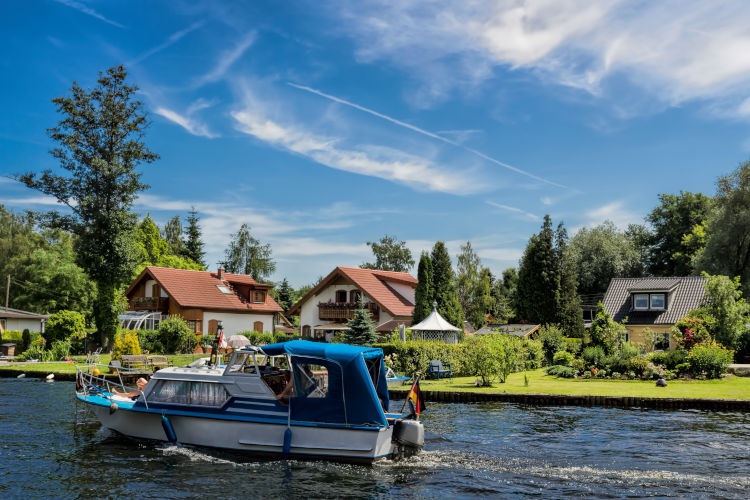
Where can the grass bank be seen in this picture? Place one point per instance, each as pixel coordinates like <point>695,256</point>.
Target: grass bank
<point>541,383</point>
<point>104,359</point>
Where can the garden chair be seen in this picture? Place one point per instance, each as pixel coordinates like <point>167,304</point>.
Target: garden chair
<point>438,368</point>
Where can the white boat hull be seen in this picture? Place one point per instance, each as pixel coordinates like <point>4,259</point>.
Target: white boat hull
<point>360,445</point>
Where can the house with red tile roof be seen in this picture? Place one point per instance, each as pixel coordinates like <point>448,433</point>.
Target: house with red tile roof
<point>325,310</point>
<point>203,298</point>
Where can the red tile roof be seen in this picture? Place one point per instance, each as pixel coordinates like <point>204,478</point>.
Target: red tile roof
<point>373,283</point>
<point>199,289</point>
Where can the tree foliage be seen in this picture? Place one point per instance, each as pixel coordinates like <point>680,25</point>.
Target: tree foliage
<point>361,328</point>
<point>64,325</point>
<point>176,336</point>
<point>247,255</point>
<point>605,332</point>
<point>424,294</point>
<point>284,295</point>
<point>193,242</point>
<point>602,253</point>
<point>390,255</point>
<point>173,236</point>
<point>100,145</point>
<point>723,302</point>
<point>153,250</point>
<point>672,220</point>
<point>474,287</point>
<point>445,287</point>
<point>727,231</point>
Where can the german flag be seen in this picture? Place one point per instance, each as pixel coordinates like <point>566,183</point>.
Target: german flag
<point>415,396</point>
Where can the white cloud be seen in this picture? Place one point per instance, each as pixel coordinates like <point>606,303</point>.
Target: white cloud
<point>79,6</point>
<point>33,200</point>
<point>226,59</point>
<point>371,160</point>
<point>501,254</point>
<point>187,120</point>
<point>615,212</point>
<point>173,38</point>
<point>516,210</point>
<point>673,50</point>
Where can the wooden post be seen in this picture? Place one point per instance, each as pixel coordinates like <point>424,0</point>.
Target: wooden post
<point>7,294</point>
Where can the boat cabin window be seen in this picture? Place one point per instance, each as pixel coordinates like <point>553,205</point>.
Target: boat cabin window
<point>188,393</point>
<point>242,363</point>
<point>312,380</point>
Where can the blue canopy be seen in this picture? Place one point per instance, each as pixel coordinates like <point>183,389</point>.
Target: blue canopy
<point>357,390</point>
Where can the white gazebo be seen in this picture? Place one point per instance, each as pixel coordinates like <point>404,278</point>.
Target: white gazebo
<point>435,327</point>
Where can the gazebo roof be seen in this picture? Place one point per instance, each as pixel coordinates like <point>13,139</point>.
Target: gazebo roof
<point>434,323</point>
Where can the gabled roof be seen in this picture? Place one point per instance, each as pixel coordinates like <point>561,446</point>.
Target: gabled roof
<point>19,314</point>
<point>374,284</point>
<point>434,323</point>
<point>517,329</point>
<point>200,289</point>
<point>685,294</point>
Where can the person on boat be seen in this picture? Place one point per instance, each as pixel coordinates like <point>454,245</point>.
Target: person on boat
<point>141,384</point>
<point>283,396</point>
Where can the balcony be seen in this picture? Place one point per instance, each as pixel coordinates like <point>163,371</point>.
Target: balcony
<point>149,304</point>
<point>345,310</point>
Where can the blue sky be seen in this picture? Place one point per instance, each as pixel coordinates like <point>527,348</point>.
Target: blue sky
<point>327,124</point>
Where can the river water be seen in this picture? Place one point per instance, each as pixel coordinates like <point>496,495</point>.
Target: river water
<point>51,447</point>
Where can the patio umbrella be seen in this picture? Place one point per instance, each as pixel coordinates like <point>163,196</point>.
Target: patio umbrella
<point>237,341</point>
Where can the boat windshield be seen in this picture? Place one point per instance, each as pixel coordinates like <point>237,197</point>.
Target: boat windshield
<point>242,362</point>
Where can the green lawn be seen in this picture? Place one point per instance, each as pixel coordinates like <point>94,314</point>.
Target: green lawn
<point>540,383</point>
<point>176,359</point>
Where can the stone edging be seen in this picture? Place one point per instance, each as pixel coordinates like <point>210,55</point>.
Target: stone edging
<point>582,400</point>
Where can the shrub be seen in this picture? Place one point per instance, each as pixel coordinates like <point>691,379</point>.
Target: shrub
<point>126,342</point>
<point>668,359</point>
<point>65,325</point>
<point>415,355</point>
<point>60,349</point>
<point>561,371</point>
<point>578,365</point>
<point>690,331</point>
<point>176,336</point>
<point>26,338</point>
<point>637,366</point>
<point>573,345</point>
<point>35,350</point>
<point>616,375</point>
<point>605,332</point>
<point>593,355</point>
<point>551,337</point>
<point>259,338</point>
<point>709,358</point>
<point>653,372</point>
<point>150,341</point>
<point>490,357</point>
<point>562,358</point>
<point>531,354</point>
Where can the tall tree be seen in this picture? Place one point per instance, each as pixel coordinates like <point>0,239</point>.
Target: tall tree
<point>473,287</point>
<point>727,248</point>
<point>723,301</point>
<point>173,236</point>
<point>247,255</point>
<point>570,314</point>
<point>284,294</point>
<point>390,255</point>
<point>193,242</point>
<point>424,294</point>
<point>445,286</point>
<point>537,295</point>
<point>600,254</point>
<point>673,219</point>
<point>100,144</point>
<point>153,250</point>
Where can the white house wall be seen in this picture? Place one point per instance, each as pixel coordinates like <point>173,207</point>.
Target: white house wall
<point>309,311</point>
<point>405,291</point>
<point>34,325</point>
<point>236,323</point>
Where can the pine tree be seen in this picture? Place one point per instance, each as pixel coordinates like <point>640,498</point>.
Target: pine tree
<point>193,242</point>
<point>285,295</point>
<point>445,286</point>
<point>361,328</point>
<point>425,291</point>
<point>537,294</point>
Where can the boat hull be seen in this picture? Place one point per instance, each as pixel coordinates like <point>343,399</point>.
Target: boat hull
<point>267,439</point>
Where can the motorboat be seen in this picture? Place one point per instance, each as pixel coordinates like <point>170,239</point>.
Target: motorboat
<point>394,380</point>
<point>296,399</point>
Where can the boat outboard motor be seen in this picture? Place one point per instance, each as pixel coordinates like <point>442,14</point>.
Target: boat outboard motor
<point>408,435</point>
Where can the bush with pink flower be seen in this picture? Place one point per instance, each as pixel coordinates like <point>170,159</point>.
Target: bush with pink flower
<point>690,331</point>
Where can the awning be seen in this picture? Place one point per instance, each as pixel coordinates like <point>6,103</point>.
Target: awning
<point>331,326</point>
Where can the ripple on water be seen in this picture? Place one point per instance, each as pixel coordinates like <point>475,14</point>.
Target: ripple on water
<point>52,446</point>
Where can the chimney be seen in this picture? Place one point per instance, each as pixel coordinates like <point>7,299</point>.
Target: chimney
<point>219,272</point>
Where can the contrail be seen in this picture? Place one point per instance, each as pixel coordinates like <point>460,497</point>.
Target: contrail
<point>424,132</point>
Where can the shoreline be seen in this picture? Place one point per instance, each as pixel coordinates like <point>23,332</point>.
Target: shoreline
<point>505,397</point>
<point>580,400</point>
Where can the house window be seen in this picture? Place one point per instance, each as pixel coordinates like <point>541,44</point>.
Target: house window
<point>306,331</point>
<point>640,301</point>
<point>259,297</point>
<point>341,296</point>
<point>195,325</point>
<point>354,296</point>
<point>258,326</point>
<point>657,301</point>
<point>625,337</point>
<point>224,289</point>
<point>661,341</point>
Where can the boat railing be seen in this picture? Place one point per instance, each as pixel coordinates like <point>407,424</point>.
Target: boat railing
<point>87,379</point>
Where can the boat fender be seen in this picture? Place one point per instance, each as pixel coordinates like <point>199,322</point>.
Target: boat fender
<point>409,433</point>
<point>51,377</point>
<point>22,375</point>
<point>168,429</point>
<point>113,408</point>
<point>287,441</point>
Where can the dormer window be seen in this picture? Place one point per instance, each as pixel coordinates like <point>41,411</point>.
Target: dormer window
<point>640,301</point>
<point>223,289</point>
<point>657,301</point>
<point>259,297</point>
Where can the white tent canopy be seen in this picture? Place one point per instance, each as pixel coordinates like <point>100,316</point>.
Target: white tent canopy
<point>435,327</point>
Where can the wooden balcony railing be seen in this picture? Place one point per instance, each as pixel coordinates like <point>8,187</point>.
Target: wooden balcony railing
<point>344,311</point>
<point>149,304</point>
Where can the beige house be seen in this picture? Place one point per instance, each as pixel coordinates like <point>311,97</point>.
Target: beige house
<point>16,319</point>
<point>654,303</point>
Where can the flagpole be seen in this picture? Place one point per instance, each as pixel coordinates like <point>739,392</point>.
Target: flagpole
<point>417,376</point>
